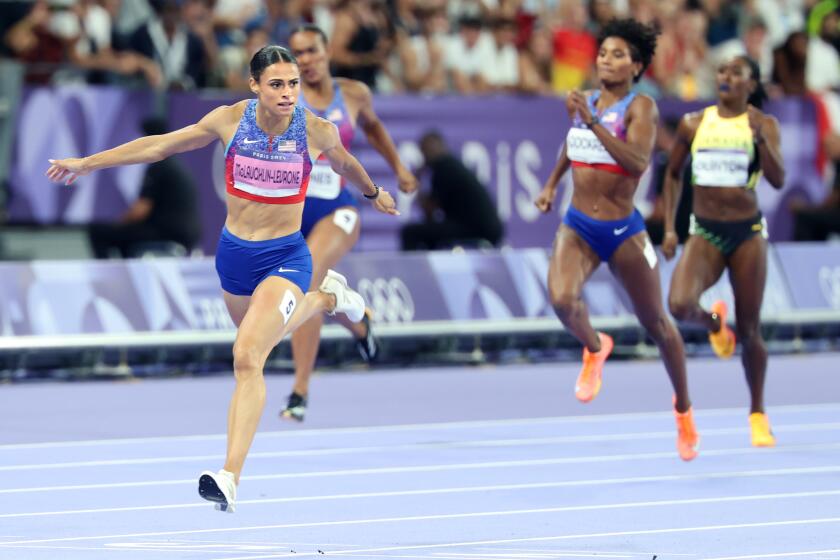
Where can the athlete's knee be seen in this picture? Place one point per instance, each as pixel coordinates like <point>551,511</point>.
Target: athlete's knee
<point>749,333</point>
<point>660,328</point>
<point>248,360</point>
<point>680,306</point>
<point>564,301</point>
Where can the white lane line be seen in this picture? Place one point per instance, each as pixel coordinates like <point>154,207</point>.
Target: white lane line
<point>703,528</point>
<point>101,550</point>
<point>463,490</point>
<point>433,556</point>
<point>777,555</point>
<point>442,468</point>
<point>535,555</point>
<point>522,556</point>
<point>526,554</point>
<point>473,424</point>
<point>227,543</point>
<point>440,445</point>
<point>664,553</point>
<point>436,555</point>
<point>437,517</point>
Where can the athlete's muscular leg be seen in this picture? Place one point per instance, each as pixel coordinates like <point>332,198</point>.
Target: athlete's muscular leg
<point>572,263</point>
<point>748,275</point>
<point>237,307</point>
<point>328,242</point>
<point>699,267</point>
<point>634,264</point>
<point>262,327</point>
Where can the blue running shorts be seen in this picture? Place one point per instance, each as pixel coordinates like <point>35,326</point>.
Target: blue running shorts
<point>243,264</point>
<point>316,209</point>
<point>604,236</point>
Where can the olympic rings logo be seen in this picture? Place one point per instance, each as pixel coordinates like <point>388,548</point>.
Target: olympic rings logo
<point>830,285</point>
<point>390,299</point>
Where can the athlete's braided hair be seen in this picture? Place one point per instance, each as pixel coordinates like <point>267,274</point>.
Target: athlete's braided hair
<point>268,55</point>
<point>640,37</point>
<point>759,96</point>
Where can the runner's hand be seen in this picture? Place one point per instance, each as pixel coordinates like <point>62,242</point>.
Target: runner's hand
<point>545,200</point>
<point>66,170</point>
<point>407,181</point>
<point>669,245</point>
<point>385,203</point>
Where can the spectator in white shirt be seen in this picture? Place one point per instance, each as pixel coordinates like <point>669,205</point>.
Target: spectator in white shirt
<point>501,72</point>
<point>468,54</point>
<point>822,70</point>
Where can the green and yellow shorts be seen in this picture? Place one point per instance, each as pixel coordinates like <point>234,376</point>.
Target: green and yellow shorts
<point>728,236</point>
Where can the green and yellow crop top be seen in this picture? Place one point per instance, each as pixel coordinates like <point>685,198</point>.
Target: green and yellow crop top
<point>723,153</point>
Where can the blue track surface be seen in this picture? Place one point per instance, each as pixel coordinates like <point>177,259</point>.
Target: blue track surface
<point>492,463</point>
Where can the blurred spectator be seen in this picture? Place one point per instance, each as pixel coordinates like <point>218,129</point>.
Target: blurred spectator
<point>167,41</point>
<point>458,211</point>
<point>822,71</point>
<point>758,46</point>
<point>468,53</point>
<point>41,36</point>
<point>283,17</point>
<point>359,44</point>
<point>232,17</point>
<point>198,17</point>
<point>423,56</point>
<point>650,11</point>
<point>501,70</point>
<point>406,15</point>
<point>68,40</point>
<point>754,43</point>
<point>680,65</point>
<point>540,10</point>
<point>723,20</point>
<point>789,63</point>
<point>575,48</point>
<point>600,12</point>
<point>319,12</point>
<point>236,62</point>
<point>166,210</point>
<point>782,18</point>
<point>128,16</point>
<point>475,9</point>
<point>535,63</point>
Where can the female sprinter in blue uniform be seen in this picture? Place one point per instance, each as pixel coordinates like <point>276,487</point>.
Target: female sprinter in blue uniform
<point>262,258</point>
<point>731,144</point>
<point>609,147</point>
<point>330,215</point>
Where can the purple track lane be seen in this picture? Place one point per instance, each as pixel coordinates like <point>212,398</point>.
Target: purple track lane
<point>490,463</point>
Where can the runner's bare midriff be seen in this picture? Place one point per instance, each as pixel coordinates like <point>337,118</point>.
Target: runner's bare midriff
<point>724,204</point>
<point>257,221</point>
<point>603,195</point>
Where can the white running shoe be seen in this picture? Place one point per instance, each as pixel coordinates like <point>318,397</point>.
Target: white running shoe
<point>219,488</point>
<point>347,300</point>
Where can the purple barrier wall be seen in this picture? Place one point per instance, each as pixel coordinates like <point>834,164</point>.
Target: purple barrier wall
<point>52,298</point>
<point>511,142</point>
<point>69,122</point>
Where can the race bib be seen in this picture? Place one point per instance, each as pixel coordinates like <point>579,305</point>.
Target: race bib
<point>273,175</point>
<point>583,146</point>
<point>721,168</point>
<point>323,182</point>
